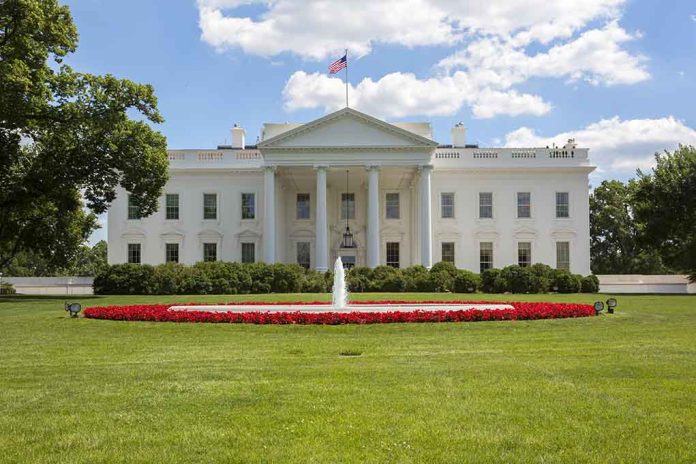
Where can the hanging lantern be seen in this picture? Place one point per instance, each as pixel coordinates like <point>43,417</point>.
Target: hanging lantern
<point>347,234</point>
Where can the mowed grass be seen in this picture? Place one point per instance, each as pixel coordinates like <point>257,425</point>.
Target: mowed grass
<point>615,388</point>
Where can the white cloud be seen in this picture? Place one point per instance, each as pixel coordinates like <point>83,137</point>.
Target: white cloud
<point>403,94</point>
<point>494,35</point>
<point>316,29</point>
<point>618,147</point>
<point>595,56</point>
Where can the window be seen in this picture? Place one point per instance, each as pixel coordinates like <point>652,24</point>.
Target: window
<point>524,254</point>
<point>133,209</point>
<point>303,206</point>
<point>171,252</point>
<point>209,206</point>
<point>447,205</point>
<point>563,255</point>
<point>303,254</point>
<point>524,204</point>
<point>348,261</point>
<point>248,252</point>
<point>172,206</point>
<point>393,254</point>
<point>448,252</point>
<point>248,206</point>
<point>485,205</point>
<point>562,205</point>
<point>392,204</point>
<point>209,252</point>
<point>134,253</point>
<point>486,255</point>
<point>347,206</point>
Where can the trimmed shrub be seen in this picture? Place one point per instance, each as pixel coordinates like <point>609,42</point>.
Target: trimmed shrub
<point>359,279</point>
<point>590,284</point>
<point>6,288</point>
<point>314,282</point>
<point>384,278</point>
<point>541,278</point>
<point>466,282</point>
<point>287,278</point>
<point>417,279</point>
<point>515,279</point>
<point>126,279</point>
<point>488,281</point>
<point>565,282</point>
<point>442,276</point>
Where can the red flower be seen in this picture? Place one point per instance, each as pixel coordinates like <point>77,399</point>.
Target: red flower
<point>521,311</point>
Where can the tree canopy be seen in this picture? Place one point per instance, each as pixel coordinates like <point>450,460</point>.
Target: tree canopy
<point>66,136</point>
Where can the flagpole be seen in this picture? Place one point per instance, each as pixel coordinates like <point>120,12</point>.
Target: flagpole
<point>346,78</point>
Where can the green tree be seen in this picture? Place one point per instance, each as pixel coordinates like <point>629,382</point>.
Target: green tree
<point>614,233</point>
<point>65,136</point>
<point>666,208</point>
<point>88,261</point>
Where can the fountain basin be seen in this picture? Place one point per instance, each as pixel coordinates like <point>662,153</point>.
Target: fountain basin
<point>328,308</point>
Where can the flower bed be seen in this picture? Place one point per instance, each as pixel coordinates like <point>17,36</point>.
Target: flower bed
<point>521,311</point>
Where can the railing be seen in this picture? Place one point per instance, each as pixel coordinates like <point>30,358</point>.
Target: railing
<point>214,158</point>
<point>516,156</point>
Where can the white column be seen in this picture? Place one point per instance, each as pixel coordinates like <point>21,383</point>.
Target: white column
<point>426,229</point>
<point>269,225</point>
<point>321,258</point>
<point>373,254</point>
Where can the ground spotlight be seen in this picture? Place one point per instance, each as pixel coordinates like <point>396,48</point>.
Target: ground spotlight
<point>611,304</point>
<point>73,308</point>
<point>598,307</point>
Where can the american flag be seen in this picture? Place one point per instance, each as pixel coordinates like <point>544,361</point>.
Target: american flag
<point>338,64</point>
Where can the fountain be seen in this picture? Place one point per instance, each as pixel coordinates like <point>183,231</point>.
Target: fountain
<point>339,303</point>
<point>339,298</point>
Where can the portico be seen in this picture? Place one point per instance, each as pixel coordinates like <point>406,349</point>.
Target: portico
<point>383,158</point>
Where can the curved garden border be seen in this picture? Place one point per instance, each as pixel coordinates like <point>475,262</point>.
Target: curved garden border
<point>521,311</point>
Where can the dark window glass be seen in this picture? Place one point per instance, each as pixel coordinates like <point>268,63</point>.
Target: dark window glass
<point>248,252</point>
<point>248,206</point>
<point>209,252</point>
<point>303,254</point>
<point>486,255</point>
<point>448,252</point>
<point>133,210</point>
<point>393,254</point>
<point>172,206</point>
<point>447,205</point>
<point>524,204</point>
<point>392,205</point>
<point>209,206</point>
<point>134,253</point>
<point>562,205</point>
<point>171,252</point>
<point>524,254</point>
<point>485,205</point>
<point>303,206</point>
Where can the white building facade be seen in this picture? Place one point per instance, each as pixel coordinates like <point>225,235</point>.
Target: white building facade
<point>405,199</point>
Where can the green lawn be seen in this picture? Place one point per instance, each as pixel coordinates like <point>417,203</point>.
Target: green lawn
<point>616,388</point>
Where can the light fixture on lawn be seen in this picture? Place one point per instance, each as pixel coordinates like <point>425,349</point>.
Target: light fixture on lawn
<point>611,304</point>
<point>598,307</point>
<point>73,308</point>
<point>347,234</point>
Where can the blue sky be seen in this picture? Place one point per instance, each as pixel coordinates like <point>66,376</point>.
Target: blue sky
<point>617,75</point>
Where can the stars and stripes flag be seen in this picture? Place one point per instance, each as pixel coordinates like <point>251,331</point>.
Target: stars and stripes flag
<point>338,64</point>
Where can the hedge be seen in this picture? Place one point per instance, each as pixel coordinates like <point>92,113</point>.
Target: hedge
<point>236,278</point>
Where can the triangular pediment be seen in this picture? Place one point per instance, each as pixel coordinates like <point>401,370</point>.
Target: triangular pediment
<point>347,128</point>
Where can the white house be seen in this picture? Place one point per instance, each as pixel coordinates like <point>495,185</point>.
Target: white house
<point>405,199</point>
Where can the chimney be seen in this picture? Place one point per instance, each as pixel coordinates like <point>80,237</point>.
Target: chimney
<point>238,137</point>
<point>459,135</point>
